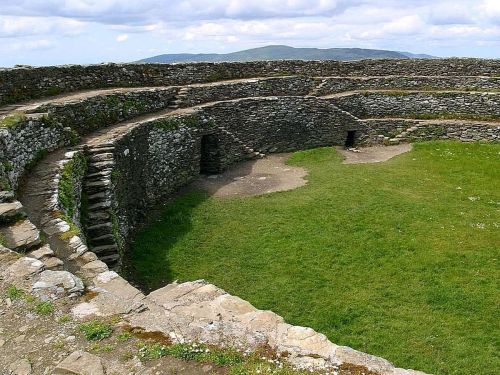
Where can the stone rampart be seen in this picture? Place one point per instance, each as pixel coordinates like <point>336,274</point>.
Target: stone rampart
<point>473,105</point>
<point>25,143</point>
<point>23,83</point>
<point>332,85</point>
<point>165,136</point>
<point>95,112</point>
<point>277,86</point>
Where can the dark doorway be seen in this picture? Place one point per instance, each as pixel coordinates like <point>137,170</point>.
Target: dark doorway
<point>210,155</point>
<point>351,138</point>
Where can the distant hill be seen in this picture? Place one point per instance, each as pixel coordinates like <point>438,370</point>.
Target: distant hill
<point>286,53</point>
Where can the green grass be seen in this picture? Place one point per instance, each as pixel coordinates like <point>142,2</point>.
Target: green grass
<point>14,292</point>
<point>44,308</point>
<point>398,259</point>
<point>12,120</point>
<point>95,330</point>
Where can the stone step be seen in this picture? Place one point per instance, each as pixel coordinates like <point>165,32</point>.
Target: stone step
<point>101,150</point>
<point>106,173</point>
<point>99,217</point>
<point>110,260</point>
<point>107,239</point>
<point>100,205</point>
<point>102,145</point>
<point>99,230</point>
<point>105,156</point>
<point>173,106</point>
<point>103,195</point>
<point>11,212</point>
<point>96,167</point>
<point>105,250</point>
<point>97,183</point>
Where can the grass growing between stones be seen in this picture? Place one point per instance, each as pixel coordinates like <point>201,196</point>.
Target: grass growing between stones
<point>398,259</point>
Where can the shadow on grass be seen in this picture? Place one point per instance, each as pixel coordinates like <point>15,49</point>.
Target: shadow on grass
<point>147,257</point>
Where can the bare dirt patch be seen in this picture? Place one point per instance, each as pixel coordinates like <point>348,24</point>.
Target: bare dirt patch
<point>374,154</point>
<point>253,177</point>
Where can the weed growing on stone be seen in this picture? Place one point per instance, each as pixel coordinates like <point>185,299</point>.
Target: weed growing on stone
<point>151,351</point>
<point>124,336</point>
<point>14,293</point>
<point>44,308</point>
<point>95,330</point>
<point>97,347</point>
<point>65,319</point>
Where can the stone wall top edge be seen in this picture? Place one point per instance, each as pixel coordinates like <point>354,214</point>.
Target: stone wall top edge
<point>259,62</point>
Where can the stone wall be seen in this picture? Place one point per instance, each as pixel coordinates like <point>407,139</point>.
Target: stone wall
<point>24,143</point>
<point>332,85</point>
<point>282,124</point>
<point>279,86</point>
<point>99,111</point>
<point>19,84</point>
<point>426,130</point>
<point>156,158</point>
<point>414,104</point>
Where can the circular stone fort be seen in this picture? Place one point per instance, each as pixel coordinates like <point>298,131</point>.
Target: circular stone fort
<point>88,152</point>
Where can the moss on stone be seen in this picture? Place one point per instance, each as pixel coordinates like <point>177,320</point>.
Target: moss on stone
<point>73,171</point>
<point>13,120</point>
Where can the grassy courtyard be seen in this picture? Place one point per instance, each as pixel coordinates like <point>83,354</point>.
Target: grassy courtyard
<point>398,259</point>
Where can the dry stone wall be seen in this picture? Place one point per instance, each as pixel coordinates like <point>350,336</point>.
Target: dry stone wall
<point>279,86</point>
<point>332,85</point>
<point>23,83</point>
<point>26,142</point>
<point>426,130</point>
<point>291,123</point>
<point>99,111</point>
<point>411,104</point>
<point>157,144</point>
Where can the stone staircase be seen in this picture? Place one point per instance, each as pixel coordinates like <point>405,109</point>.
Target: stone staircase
<point>403,136</point>
<point>317,88</point>
<point>178,98</point>
<point>98,189</point>
<point>248,150</point>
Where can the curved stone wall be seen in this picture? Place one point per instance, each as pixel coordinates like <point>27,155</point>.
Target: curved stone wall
<point>19,84</point>
<point>134,147</point>
<point>481,105</point>
<point>332,85</point>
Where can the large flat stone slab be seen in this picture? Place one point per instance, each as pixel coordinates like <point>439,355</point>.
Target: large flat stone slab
<point>22,269</point>
<point>21,236</point>
<point>80,363</point>
<point>199,311</point>
<point>10,211</point>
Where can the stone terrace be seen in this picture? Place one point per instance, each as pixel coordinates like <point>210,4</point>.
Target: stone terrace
<point>81,169</point>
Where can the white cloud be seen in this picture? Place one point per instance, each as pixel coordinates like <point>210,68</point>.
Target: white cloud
<point>122,37</point>
<point>228,25</point>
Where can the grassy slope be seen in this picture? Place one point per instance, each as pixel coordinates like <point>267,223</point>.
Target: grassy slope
<point>387,258</point>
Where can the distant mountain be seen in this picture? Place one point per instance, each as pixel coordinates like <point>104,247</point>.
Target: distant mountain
<point>286,53</point>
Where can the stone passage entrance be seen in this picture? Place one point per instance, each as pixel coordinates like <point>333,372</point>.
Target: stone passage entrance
<point>210,155</point>
<point>350,139</point>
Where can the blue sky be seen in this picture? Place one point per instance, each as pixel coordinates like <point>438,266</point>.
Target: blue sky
<point>48,32</point>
